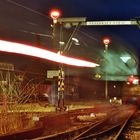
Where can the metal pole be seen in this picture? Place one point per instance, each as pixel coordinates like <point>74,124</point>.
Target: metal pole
<point>61,77</point>
<point>54,34</point>
<point>54,84</point>
<point>106,81</point>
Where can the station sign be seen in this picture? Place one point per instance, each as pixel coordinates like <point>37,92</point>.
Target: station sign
<point>100,23</point>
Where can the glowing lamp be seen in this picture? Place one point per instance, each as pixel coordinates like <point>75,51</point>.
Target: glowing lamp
<point>55,14</point>
<point>133,80</point>
<point>106,41</point>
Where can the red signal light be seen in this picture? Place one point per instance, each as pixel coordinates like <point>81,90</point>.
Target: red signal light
<point>106,41</point>
<point>55,14</point>
<point>133,80</point>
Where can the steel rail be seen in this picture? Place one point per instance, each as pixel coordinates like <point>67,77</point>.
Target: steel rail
<point>122,124</point>
<point>61,134</point>
<point>87,130</point>
<point>122,128</point>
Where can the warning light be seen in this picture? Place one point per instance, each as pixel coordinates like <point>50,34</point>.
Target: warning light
<point>106,41</point>
<point>55,14</point>
<point>133,80</point>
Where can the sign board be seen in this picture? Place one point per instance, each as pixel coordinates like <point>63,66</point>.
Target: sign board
<point>52,73</point>
<point>82,21</point>
<point>100,23</point>
<point>107,23</point>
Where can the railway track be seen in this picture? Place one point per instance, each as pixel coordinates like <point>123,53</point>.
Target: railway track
<point>132,131</point>
<point>111,132</point>
<point>67,135</point>
<point>109,127</point>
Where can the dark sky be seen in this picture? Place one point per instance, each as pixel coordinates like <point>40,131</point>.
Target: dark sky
<point>104,10</point>
<point>99,9</point>
<point>92,9</point>
<point>20,18</point>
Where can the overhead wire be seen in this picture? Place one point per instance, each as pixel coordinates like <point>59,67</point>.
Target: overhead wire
<point>27,8</point>
<point>86,34</point>
<point>33,11</point>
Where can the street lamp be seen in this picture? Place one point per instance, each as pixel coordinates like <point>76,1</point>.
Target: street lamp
<point>106,42</point>
<point>54,14</point>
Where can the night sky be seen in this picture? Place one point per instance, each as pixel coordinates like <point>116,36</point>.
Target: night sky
<point>104,10</point>
<point>20,18</point>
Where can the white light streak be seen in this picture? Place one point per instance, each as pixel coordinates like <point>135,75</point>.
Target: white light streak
<point>12,47</point>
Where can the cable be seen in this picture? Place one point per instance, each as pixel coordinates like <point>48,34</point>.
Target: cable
<point>27,8</point>
<point>86,34</point>
<point>34,33</point>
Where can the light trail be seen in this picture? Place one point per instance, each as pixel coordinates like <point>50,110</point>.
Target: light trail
<point>12,47</point>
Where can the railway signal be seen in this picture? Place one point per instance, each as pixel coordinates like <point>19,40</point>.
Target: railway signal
<point>55,14</point>
<point>133,80</point>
